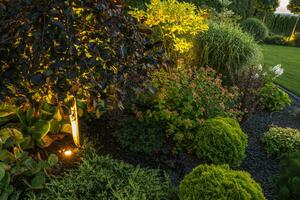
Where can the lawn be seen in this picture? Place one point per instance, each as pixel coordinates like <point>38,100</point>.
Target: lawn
<point>289,58</point>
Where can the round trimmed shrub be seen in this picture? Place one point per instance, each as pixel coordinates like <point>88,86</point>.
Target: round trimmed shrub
<point>207,182</point>
<point>221,141</point>
<point>256,28</point>
<point>272,98</point>
<point>279,141</point>
<point>288,181</point>
<point>139,135</point>
<point>227,49</point>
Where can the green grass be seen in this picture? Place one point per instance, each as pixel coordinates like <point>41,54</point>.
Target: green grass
<point>289,58</point>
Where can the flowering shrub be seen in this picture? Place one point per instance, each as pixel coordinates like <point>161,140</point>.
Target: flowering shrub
<point>181,100</point>
<point>282,140</point>
<point>273,98</point>
<point>174,23</point>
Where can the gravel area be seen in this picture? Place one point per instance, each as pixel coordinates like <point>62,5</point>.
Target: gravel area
<point>261,167</point>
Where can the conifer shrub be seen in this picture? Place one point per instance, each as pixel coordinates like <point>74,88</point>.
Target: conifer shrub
<point>256,28</point>
<point>288,182</point>
<point>221,141</point>
<point>101,177</point>
<point>208,182</point>
<point>227,49</point>
<point>279,141</point>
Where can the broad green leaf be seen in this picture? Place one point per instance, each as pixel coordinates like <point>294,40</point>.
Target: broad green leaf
<point>22,117</point>
<point>52,160</point>
<point>54,126</point>
<point>38,181</point>
<point>33,166</point>
<point>27,143</point>
<point>6,110</point>
<point>4,182</point>
<point>40,129</point>
<point>4,135</point>
<point>7,192</point>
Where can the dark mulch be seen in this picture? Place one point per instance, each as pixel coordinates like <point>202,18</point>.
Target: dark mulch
<point>261,167</point>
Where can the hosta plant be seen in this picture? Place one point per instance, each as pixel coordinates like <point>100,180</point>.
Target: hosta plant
<point>273,98</point>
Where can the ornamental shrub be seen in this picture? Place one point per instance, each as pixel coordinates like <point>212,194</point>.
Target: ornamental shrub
<point>256,28</point>
<point>181,100</point>
<point>279,141</point>
<point>101,177</point>
<point>208,182</point>
<point>92,50</point>
<point>226,48</point>
<point>221,141</point>
<point>175,23</point>
<point>272,98</point>
<point>288,182</point>
<point>139,135</point>
<point>276,39</point>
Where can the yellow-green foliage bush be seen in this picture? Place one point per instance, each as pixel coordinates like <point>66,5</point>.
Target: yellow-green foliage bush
<point>212,182</point>
<point>282,140</point>
<point>221,141</point>
<point>175,23</point>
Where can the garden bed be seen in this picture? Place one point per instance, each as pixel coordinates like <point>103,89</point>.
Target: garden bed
<point>257,162</point>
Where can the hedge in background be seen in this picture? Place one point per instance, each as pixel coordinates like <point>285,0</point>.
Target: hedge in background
<point>207,182</point>
<point>226,48</point>
<point>221,141</point>
<point>282,24</point>
<point>279,141</point>
<point>288,182</point>
<point>100,177</point>
<point>256,28</point>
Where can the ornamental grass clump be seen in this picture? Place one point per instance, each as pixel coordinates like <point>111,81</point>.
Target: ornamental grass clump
<point>227,49</point>
<point>279,141</point>
<point>210,182</point>
<point>221,141</point>
<point>175,23</point>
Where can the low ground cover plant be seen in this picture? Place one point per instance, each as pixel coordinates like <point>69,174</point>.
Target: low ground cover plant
<point>227,49</point>
<point>279,141</point>
<point>256,28</point>
<point>273,98</point>
<point>181,100</point>
<point>101,177</point>
<point>207,182</point>
<point>221,141</point>
<point>288,182</point>
<point>140,135</point>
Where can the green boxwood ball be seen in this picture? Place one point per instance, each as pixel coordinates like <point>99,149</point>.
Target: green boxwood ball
<point>221,141</point>
<point>212,182</point>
